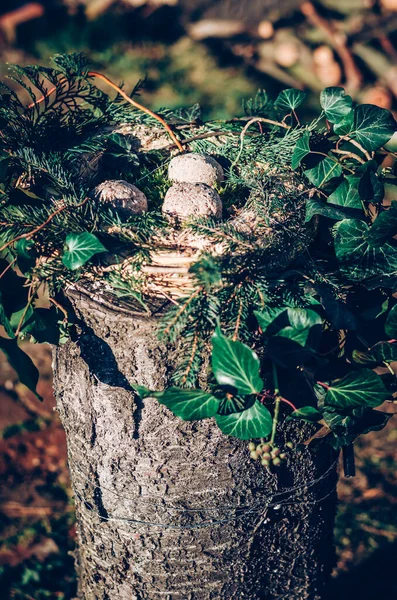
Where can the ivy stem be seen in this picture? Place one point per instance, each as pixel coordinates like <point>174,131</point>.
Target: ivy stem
<point>139,106</point>
<point>288,402</point>
<point>277,404</point>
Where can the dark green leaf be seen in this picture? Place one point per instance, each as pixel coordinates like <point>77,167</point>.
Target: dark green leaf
<point>358,388</point>
<point>287,353</point>
<point>297,335</point>
<point>303,318</point>
<point>189,405</point>
<point>347,427</point>
<point>307,413</point>
<point>255,422</point>
<point>384,227</point>
<point>370,187</point>
<point>335,103</point>
<point>268,315</point>
<point>357,257</point>
<point>22,363</point>
<point>235,364</point>
<point>302,149</point>
<point>233,404</point>
<point>346,194</point>
<point>372,127</point>
<point>391,323</point>
<point>4,321</point>
<point>324,171</point>
<point>80,248</point>
<point>331,211</point>
<point>289,99</point>
<point>381,353</point>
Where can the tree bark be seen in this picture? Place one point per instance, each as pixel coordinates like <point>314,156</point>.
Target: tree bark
<point>176,510</point>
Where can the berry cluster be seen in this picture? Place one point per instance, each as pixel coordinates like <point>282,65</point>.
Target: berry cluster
<point>269,454</point>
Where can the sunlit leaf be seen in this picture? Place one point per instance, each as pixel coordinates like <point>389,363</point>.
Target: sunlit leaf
<point>335,103</point>
<point>358,388</point>
<point>255,422</point>
<point>80,248</point>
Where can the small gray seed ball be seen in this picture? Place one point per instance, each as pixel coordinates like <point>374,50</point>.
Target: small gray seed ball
<point>123,196</point>
<point>195,168</point>
<point>186,200</point>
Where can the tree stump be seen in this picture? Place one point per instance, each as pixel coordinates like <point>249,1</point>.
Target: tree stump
<point>171,509</point>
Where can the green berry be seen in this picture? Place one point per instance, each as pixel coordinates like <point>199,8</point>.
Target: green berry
<point>275,452</point>
<point>254,455</point>
<point>283,456</point>
<point>289,445</point>
<point>251,446</point>
<point>265,462</point>
<point>276,461</point>
<point>266,456</point>
<point>266,448</point>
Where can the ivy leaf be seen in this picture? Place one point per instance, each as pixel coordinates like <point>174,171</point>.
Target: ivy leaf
<point>307,413</point>
<point>346,194</point>
<point>235,364</point>
<point>358,388</point>
<point>345,126</point>
<point>297,335</point>
<point>289,99</point>
<point>337,311</point>
<point>268,315</point>
<point>301,150</point>
<point>22,363</point>
<point>80,248</point>
<point>384,227</point>
<point>381,353</point>
<point>372,127</point>
<point>347,427</point>
<point>25,316</point>
<point>370,187</point>
<point>287,353</point>
<point>255,422</point>
<point>303,318</point>
<point>358,258</point>
<point>4,321</point>
<point>329,210</point>
<point>335,103</point>
<point>233,404</point>
<point>189,405</point>
<point>391,323</point>
<point>325,170</point>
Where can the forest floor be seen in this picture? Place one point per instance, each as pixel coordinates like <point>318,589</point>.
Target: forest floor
<point>37,515</point>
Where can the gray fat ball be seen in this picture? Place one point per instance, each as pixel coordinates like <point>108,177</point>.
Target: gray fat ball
<point>189,200</point>
<point>195,168</point>
<point>124,197</point>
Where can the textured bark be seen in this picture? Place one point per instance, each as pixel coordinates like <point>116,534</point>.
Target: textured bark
<point>134,461</point>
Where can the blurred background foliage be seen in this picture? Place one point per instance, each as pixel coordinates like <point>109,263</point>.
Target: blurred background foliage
<point>216,53</point>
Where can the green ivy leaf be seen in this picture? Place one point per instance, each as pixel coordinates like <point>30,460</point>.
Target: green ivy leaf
<point>233,404</point>
<point>189,405</point>
<point>303,318</point>
<point>80,248</point>
<point>307,413</point>
<point>301,150</point>
<point>4,321</point>
<point>297,335</point>
<point>335,103</point>
<point>235,364</point>
<point>372,127</point>
<point>25,316</point>
<point>287,353</point>
<point>329,210</point>
<point>22,363</point>
<point>381,353</point>
<point>324,171</point>
<point>357,257</point>
<point>384,227</point>
<point>268,315</point>
<point>346,194</point>
<point>370,187</point>
<point>255,422</point>
<point>359,388</point>
<point>391,323</point>
<point>289,99</point>
<point>347,427</point>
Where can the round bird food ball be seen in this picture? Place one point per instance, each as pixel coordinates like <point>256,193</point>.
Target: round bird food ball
<point>126,198</point>
<point>195,168</point>
<point>186,200</point>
